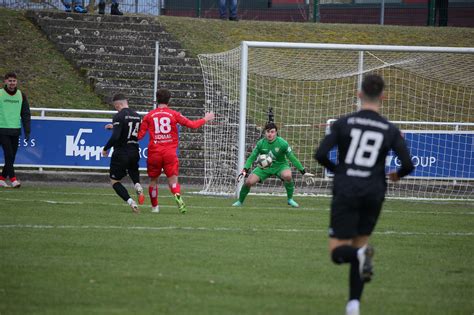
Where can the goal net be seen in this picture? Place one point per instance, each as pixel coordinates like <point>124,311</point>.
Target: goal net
<point>429,96</point>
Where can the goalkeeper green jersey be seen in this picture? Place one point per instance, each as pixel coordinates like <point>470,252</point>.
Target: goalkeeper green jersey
<point>278,149</point>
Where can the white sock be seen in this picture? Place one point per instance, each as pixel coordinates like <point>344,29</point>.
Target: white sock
<point>352,307</point>
<point>138,187</point>
<point>130,201</point>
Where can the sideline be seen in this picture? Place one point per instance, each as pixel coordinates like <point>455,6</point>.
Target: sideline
<point>214,229</point>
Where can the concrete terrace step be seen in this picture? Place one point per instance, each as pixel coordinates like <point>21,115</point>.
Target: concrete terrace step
<point>148,84</point>
<point>192,113</point>
<point>99,24</point>
<point>55,14</point>
<point>117,34</point>
<point>123,50</point>
<point>176,103</point>
<point>77,54</point>
<point>148,43</point>
<point>164,76</point>
<point>111,90</point>
<point>138,67</point>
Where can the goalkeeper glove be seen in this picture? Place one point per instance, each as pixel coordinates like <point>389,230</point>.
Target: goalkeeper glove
<point>308,177</point>
<point>243,174</point>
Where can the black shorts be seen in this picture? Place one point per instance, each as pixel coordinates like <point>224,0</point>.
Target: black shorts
<point>123,161</point>
<point>354,215</point>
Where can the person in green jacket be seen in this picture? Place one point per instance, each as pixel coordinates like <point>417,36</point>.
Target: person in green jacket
<point>14,112</point>
<point>280,152</point>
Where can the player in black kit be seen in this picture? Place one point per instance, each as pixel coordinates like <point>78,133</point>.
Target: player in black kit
<point>363,140</point>
<point>125,157</point>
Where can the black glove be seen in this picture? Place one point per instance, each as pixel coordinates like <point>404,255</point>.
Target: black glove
<point>27,136</point>
<point>303,171</point>
<point>243,174</point>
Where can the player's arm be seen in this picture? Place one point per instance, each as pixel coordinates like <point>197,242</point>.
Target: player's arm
<point>25,116</point>
<point>143,127</point>
<point>321,154</point>
<point>117,130</point>
<point>294,160</point>
<point>253,156</point>
<point>249,162</point>
<point>401,150</point>
<point>183,121</point>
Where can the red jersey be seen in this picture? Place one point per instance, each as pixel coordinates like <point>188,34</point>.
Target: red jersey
<point>161,126</point>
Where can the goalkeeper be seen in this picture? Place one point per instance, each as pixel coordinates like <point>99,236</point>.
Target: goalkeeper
<point>280,152</point>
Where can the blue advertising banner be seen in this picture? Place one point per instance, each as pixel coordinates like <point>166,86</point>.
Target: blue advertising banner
<point>68,142</point>
<point>436,154</point>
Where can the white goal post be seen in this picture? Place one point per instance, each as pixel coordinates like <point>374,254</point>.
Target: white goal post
<point>429,95</point>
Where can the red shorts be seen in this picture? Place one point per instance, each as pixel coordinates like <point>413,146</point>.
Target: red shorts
<point>163,160</point>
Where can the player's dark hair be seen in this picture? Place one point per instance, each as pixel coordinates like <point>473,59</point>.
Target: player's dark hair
<point>372,86</point>
<point>10,75</point>
<point>119,97</point>
<point>271,125</point>
<point>163,96</point>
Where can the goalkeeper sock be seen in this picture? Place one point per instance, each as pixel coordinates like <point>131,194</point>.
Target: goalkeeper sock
<point>153,192</point>
<point>244,191</point>
<point>290,188</point>
<point>175,189</point>
<point>121,191</point>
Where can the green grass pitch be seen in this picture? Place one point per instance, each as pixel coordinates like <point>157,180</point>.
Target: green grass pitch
<point>80,250</point>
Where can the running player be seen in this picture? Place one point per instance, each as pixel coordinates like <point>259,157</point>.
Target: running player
<point>125,125</point>
<point>161,124</point>
<point>363,140</point>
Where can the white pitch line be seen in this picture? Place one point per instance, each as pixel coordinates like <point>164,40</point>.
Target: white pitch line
<point>192,194</point>
<point>325,209</point>
<point>214,229</point>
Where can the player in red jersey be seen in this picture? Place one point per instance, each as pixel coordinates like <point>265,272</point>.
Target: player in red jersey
<point>161,124</point>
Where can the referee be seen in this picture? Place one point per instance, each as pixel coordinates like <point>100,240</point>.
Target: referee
<point>363,140</point>
<point>125,157</point>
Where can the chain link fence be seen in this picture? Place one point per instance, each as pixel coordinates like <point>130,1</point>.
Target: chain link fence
<point>458,13</point>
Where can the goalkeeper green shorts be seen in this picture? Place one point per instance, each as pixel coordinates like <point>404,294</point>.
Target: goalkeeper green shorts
<point>274,170</point>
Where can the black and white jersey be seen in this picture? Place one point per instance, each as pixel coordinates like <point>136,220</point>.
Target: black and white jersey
<point>363,140</point>
<point>126,124</point>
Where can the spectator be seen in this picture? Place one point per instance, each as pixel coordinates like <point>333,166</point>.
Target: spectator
<point>114,10</point>
<point>232,10</point>
<point>73,6</point>
<point>14,111</point>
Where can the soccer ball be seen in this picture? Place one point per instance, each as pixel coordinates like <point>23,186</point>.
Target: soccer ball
<point>264,161</point>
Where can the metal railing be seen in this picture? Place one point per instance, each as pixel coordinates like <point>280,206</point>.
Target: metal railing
<point>393,12</point>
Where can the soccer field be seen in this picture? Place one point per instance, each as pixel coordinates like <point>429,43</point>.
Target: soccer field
<point>80,250</point>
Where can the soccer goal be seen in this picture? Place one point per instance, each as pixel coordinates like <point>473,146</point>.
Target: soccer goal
<point>429,95</point>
